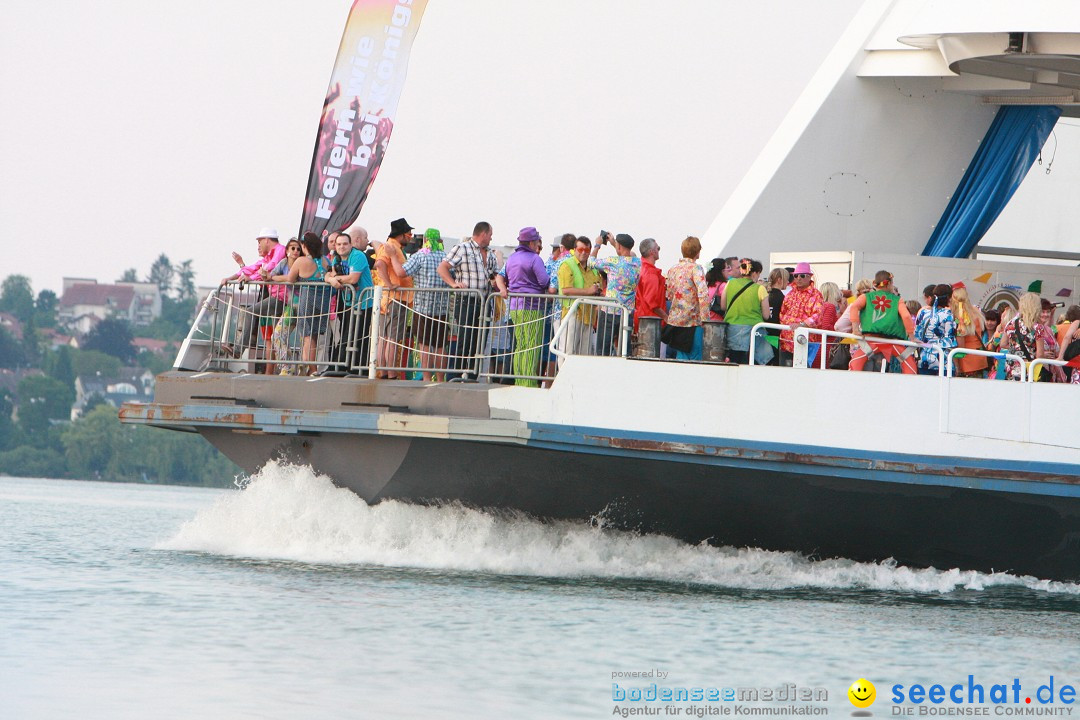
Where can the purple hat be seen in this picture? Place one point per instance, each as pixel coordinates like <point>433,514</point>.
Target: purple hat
<point>528,235</point>
<point>803,268</point>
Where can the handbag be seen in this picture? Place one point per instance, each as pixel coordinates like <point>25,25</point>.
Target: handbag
<point>716,307</point>
<point>680,338</point>
<point>1072,350</point>
<point>839,357</point>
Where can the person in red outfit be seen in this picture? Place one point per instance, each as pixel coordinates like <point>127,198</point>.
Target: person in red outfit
<point>651,289</point>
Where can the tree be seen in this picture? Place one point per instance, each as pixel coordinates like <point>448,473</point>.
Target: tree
<point>161,273</point>
<point>175,320</point>
<point>97,445</point>
<point>31,342</point>
<point>185,282</point>
<point>94,362</point>
<point>26,461</point>
<point>129,276</point>
<point>17,297</point>
<point>153,362</point>
<point>91,442</point>
<point>7,425</point>
<point>112,336</point>
<point>42,399</point>
<point>11,351</point>
<point>59,364</point>
<point>45,309</point>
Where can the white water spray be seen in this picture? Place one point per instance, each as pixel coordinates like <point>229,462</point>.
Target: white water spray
<point>287,512</point>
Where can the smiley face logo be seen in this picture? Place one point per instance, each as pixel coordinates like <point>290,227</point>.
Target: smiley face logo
<point>862,693</point>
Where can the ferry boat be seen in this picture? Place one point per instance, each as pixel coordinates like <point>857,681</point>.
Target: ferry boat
<point>877,157</point>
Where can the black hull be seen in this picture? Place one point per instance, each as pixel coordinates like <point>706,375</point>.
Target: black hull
<point>920,525</point>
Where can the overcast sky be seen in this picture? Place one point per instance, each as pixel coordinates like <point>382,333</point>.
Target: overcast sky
<point>132,128</point>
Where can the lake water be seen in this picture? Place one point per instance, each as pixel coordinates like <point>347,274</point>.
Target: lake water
<point>294,599</point>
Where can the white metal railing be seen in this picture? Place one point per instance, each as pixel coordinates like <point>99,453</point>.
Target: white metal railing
<point>444,333</point>
<point>558,340</point>
<point>1007,357</point>
<point>805,332</point>
<point>754,334</point>
<point>801,342</point>
<point>1037,363</point>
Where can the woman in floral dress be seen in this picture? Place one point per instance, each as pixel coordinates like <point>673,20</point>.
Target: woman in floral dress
<point>689,297</point>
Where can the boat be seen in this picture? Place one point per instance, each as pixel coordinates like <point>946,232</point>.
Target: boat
<point>945,472</point>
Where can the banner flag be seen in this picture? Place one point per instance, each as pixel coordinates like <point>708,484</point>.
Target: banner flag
<point>359,110</point>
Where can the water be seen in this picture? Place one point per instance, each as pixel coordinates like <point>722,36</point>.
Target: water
<point>294,599</point>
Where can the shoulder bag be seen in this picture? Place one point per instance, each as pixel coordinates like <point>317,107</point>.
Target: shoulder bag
<point>716,307</point>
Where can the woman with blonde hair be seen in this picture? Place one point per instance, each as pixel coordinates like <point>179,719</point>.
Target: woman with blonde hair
<point>834,306</point>
<point>1027,337</point>
<point>969,329</point>
<point>779,280</point>
<point>689,297</point>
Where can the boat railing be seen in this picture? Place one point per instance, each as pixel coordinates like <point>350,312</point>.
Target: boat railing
<point>802,342</point>
<point>270,327</point>
<point>1006,357</point>
<point>1038,363</point>
<point>446,334</point>
<point>754,336</point>
<point>437,331</point>
<point>576,332</point>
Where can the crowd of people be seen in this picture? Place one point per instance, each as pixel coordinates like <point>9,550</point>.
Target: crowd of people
<point>419,315</point>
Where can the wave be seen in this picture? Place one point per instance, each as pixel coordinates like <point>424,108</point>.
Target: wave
<point>287,512</point>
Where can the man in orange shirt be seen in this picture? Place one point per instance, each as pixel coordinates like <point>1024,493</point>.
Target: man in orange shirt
<point>394,309</point>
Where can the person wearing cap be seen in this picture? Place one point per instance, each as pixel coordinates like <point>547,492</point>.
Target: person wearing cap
<point>802,308</point>
<point>430,328</point>
<point>394,308</point>
<point>526,275</point>
<point>270,304</point>
<point>470,265</point>
<point>623,272</point>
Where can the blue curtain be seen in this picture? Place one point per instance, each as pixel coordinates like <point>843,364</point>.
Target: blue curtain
<point>1010,147</point>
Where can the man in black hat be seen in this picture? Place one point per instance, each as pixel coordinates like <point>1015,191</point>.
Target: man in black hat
<point>394,310</point>
<point>623,272</point>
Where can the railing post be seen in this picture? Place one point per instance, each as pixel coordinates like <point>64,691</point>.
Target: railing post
<point>714,341</point>
<point>376,327</point>
<point>648,337</point>
<point>802,345</point>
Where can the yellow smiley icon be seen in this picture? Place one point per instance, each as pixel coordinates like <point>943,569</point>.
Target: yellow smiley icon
<point>862,693</point>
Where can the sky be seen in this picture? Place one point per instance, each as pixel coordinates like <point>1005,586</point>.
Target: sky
<point>133,128</point>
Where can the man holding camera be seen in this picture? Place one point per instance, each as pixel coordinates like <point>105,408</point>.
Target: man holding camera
<point>623,272</point>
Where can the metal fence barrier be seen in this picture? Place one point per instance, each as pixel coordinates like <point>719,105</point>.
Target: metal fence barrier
<point>443,334</point>
<point>277,328</point>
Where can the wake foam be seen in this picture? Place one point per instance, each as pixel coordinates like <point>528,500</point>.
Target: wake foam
<point>287,512</point>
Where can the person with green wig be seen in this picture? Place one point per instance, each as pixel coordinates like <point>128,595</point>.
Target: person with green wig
<point>430,328</point>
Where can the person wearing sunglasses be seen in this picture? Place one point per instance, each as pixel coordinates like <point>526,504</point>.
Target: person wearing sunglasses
<point>802,308</point>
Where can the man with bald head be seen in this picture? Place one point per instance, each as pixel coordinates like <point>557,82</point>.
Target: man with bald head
<point>360,242</point>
